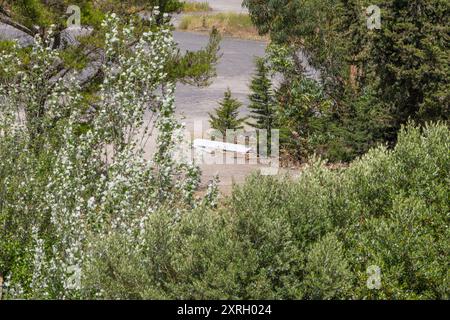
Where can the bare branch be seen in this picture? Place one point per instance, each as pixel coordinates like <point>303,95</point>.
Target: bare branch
<point>8,21</point>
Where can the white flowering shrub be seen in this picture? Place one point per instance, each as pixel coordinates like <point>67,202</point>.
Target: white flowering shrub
<point>70,171</point>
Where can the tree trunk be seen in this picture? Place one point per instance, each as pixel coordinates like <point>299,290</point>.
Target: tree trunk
<point>353,75</point>
<point>1,286</point>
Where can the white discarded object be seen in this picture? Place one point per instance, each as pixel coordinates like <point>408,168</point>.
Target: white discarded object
<point>211,146</point>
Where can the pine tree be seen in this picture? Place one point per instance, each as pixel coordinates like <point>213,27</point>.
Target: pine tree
<point>226,116</point>
<point>38,17</point>
<point>262,102</point>
<point>410,57</point>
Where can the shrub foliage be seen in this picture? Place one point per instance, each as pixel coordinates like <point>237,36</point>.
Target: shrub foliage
<point>310,238</point>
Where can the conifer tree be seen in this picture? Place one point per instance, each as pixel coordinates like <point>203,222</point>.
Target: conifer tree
<point>82,50</point>
<point>262,102</point>
<point>227,115</point>
<point>410,58</point>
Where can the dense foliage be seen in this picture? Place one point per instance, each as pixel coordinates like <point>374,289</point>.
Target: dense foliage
<point>82,49</point>
<point>85,172</point>
<point>314,237</point>
<point>376,79</point>
<point>84,213</point>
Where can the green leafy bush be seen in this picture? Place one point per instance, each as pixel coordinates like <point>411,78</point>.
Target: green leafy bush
<point>309,238</point>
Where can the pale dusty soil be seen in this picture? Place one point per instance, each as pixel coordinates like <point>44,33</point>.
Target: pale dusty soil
<point>234,70</point>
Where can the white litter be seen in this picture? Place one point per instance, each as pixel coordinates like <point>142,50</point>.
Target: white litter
<point>211,146</point>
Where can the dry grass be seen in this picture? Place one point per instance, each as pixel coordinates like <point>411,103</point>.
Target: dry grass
<point>229,24</point>
<point>196,7</point>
